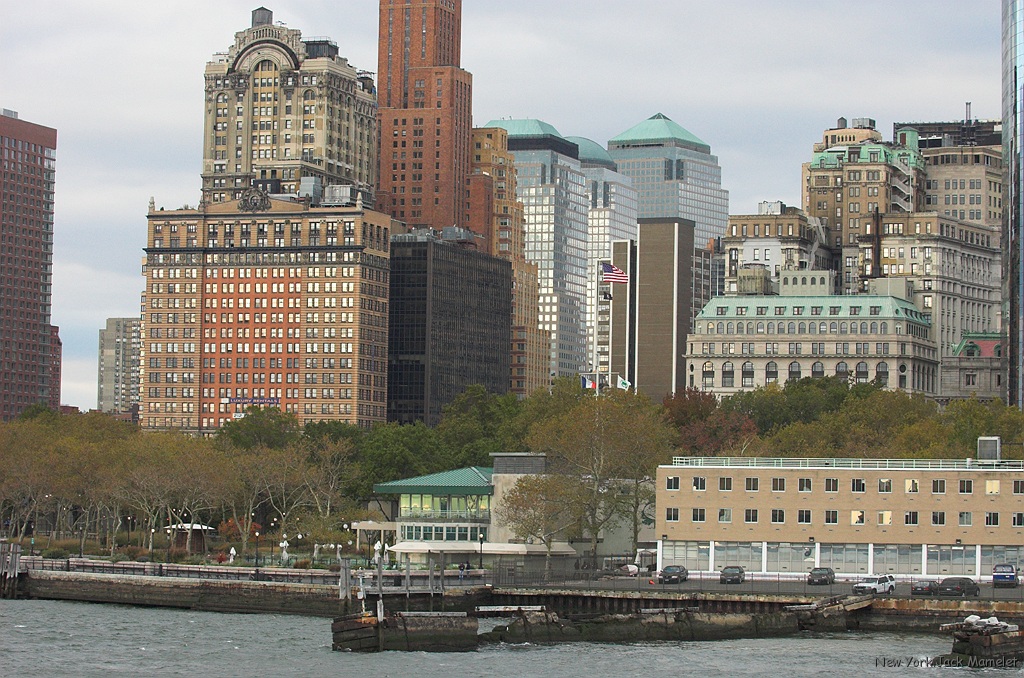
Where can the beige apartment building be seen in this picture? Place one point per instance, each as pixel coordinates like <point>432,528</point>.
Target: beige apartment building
<point>857,516</point>
<point>269,302</point>
<point>280,109</point>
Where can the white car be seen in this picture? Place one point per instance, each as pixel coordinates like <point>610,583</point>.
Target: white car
<point>883,583</point>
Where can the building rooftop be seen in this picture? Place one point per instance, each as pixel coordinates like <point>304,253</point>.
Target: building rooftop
<point>526,127</point>
<point>463,481</point>
<point>842,305</point>
<point>845,463</point>
<point>658,130</point>
<point>593,153</point>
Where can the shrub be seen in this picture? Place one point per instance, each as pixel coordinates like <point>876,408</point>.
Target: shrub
<point>134,552</point>
<point>301,564</point>
<point>176,555</point>
<point>56,553</point>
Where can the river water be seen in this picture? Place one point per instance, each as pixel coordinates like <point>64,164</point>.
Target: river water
<point>50,638</point>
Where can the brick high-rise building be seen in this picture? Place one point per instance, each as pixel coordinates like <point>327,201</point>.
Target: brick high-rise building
<point>265,301</point>
<point>424,111</point>
<point>286,114</point>
<point>27,374</point>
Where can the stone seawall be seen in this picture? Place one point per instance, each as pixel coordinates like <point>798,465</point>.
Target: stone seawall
<point>927,614</point>
<point>194,594</point>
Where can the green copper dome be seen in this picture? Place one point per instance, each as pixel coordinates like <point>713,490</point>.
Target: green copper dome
<point>593,153</point>
<point>658,130</point>
<point>526,127</point>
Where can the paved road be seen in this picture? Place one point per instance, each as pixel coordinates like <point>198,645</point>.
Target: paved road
<point>711,584</point>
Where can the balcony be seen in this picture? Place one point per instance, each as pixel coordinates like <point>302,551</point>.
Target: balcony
<point>452,516</point>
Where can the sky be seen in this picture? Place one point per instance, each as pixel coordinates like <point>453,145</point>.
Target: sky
<point>122,82</point>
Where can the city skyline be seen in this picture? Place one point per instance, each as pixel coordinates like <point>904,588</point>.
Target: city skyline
<point>759,98</point>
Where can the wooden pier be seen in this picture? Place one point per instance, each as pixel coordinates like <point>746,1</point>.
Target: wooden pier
<point>10,554</point>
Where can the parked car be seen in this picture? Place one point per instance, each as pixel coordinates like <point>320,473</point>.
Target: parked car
<point>673,574</point>
<point>1005,575</point>
<point>733,574</point>
<point>958,586</point>
<point>883,583</point>
<point>924,587</point>
<point>821,575</point>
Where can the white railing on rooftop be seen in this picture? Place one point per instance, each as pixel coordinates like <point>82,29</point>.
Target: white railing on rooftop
<point>794,462</point>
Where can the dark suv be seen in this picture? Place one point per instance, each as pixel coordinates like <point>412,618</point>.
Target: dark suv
<point>821,575</point>
<point>672,574</point>
<point>733,574</point>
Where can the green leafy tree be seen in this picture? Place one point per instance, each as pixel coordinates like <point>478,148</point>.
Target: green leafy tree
<point>261,427</point>
<point>538,507</point>
<point>479,423</point>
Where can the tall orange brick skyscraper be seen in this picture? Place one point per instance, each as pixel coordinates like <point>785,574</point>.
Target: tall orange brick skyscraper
<point>424,109</point>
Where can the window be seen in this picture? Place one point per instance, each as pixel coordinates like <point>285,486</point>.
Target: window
<point>911,485</point>
<point>910,518</point>
<point>938,517</point>
<point>1018,486</point>
<point>672,483</point>
<point>857,485</point>
<point>725,515</point>
<point>725,484</point>
<point>751,484</point>
<point>938,486</point>
<point>884,517</point>
<point>966,486</point>
<point>991,519</point>
<point>884,485</point>
<point>698,515</point>
<point>778,516</point>
<point>750,516</point>
<point>856,517</point>
<point>804,485</point>
<point>965,519</point>
<point>672,515</point>
<point>700,484</point>
<point>803,517</point>
<point>831,484</point>
<point>831,517</point>
<point>778,484</point>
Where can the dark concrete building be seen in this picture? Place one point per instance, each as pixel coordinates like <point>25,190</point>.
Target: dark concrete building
<point>450,323</point>
<point>29,348</point>
<point>651,316</point>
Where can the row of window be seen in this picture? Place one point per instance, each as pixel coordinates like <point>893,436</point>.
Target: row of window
<point>857,517</point>
<point>857,485</point>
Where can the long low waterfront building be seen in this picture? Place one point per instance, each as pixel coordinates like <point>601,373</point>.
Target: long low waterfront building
<point>858,516</point>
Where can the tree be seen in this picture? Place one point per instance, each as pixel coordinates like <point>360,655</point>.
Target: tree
<point>690,406</point>
<point>478,423</point>
<point>538,507</point>
<point>270,428</point>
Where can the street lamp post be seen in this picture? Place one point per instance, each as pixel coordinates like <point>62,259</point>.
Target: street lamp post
<point>481,538</point>
<point>257,548</point>
<point>152,536</point>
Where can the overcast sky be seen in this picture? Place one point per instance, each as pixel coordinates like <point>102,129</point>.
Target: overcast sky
<point>758,80</point>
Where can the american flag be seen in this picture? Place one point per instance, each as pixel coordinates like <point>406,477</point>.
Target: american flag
<point>613,274</point>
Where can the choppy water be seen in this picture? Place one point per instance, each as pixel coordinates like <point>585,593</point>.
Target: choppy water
<point>47,638</point>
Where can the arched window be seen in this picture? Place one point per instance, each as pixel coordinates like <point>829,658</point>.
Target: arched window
<point>801,328</point>
<point>842,328</point>
<point>882,374</point>
<point>728,328</point>
<point>862,372</point>
<point>708,374</point>
<point>813,280</point>
<point>874,328</point>
<point>971,350</point>
<point>853,328</point>
<point>785,280</point>
<point>308,95</point>
<point>760,328</point>
<point>748,374</point>
<point>792,328</point>
<point>771,372</point>
<point>812,328</point>
<point>818,369</point>
<point>863,327</point>
<point>721,328</point>
<point>883,328</point>
<point>771,328</point>
<point>822,327</point>
<point>739,328</point>
<point>803,280</point>
<point>999,350</point>
<point>728,375</point>
<point>833,327</point>
<point>822,280</point>
<point>842,370</point>
<point>750,328</point>
<point>794,370</point>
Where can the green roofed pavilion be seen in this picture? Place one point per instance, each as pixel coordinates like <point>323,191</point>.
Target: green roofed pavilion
<point>658,130</point>
<point>473,480</point>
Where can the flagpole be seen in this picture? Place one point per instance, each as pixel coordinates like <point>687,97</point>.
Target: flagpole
<point>593,357</point>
